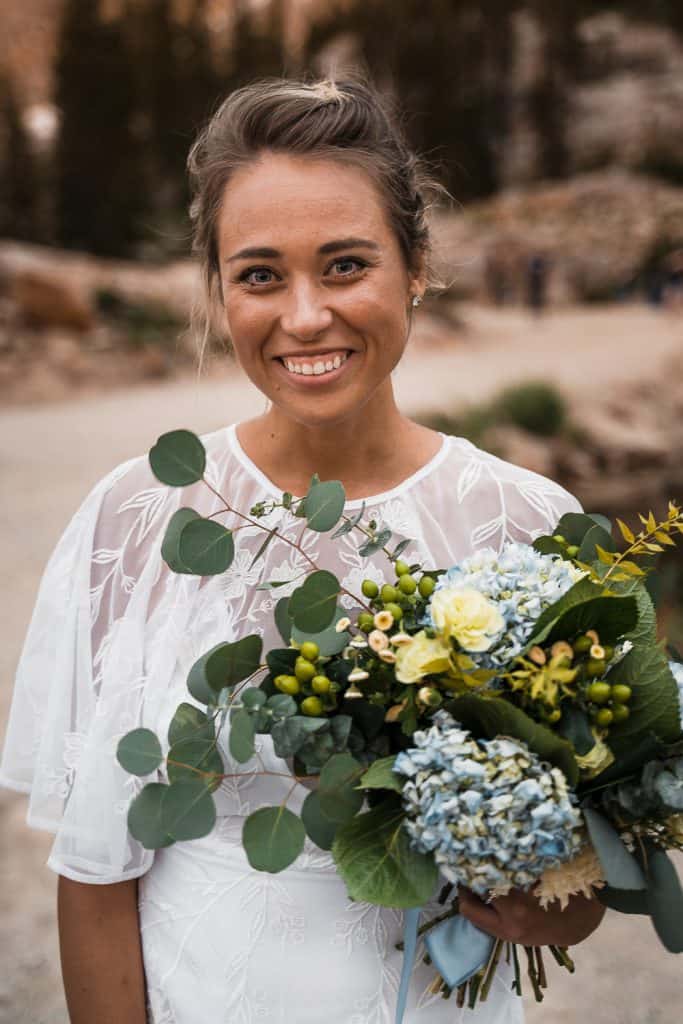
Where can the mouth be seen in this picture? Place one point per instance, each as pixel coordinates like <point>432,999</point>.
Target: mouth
<point>316,368</point>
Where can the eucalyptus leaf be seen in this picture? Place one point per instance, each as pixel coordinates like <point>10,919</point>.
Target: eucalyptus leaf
<point>264,545</point>
<point>349,524</point>
<point>282,705</point>
<point>574,526</point>
<point>374,857</point>
<point>272,837</point>
<point>289,734</point>
<point>624,901</point>
<point>206,547</point>
<point>170,551</point>
<point>187,810</point>
<point>282,619</point>
<point>188,723</point>
<point>318,828</point>
<point>596,535</point>
<point>654,705</point>
<point>197,681</point>
<point>620,868</point>
<point>400,547</point>
<point>253,698</point>
<point>324,504</point>
<point>144,817</point>
<point>329,641</point>
<point>195,753</point>
<point>312,606</point>
<point>178,458</point>
<point>139,752</point>
<point>339,798</point>
<point>665,899</point>
<point>375,543</point>
<point>230,663</point>
<point>381,775</point>
<point>241,736</point>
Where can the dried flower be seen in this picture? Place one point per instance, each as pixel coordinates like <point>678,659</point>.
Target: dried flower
<point>384,620</point>
<point>401,638</point>
<point>387,656</point>
<point>343,624</point>
<point>357,675</point>
<point>378,640</point>
<point>581,875</point>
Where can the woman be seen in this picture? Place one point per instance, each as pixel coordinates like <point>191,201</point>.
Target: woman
<point>309,218</point>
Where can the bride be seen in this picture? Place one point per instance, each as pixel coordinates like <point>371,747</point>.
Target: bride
<point>309,217</point>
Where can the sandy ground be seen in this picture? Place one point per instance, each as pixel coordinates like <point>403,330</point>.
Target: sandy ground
<point>50,455</point>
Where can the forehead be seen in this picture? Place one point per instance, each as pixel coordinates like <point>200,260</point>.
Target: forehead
<point>281,198</point>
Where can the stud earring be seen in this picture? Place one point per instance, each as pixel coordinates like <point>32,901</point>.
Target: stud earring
<point>417,299</point>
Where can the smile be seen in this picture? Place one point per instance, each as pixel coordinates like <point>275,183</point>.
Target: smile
<point>315,367</point>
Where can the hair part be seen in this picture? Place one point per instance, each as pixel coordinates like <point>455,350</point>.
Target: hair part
<point>345,120</point>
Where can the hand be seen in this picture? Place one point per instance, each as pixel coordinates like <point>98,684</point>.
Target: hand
<point>519,917</point>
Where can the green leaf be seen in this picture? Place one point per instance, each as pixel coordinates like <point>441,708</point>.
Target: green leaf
<point>144,817</point>
<point>206,547</point>
<point>178,458</point>
<point>548,546</point>
<point>187,810</point>
<point>665,899</point>
<point>170,551</point>
<point>624,901</point>
<point>282,619</point>
<point>596,536</point>
<point>273,837</point>
<point>375,544</point>
<point>328,640</point>
<point>253,698</point>
<point>339,798</point>
<point>621,869</point>
<point>312,606</point>
<point>585,606</point>
<point>189,723</point>
<point>241,735</point>
<point>320,746</point>
<point>654,705</point>
<point>400,547</point>
<point>380,775</point>
<point>324,504</point>
<point>139,752</point>
<point>264,545</point>
<point>575,526</point>
<point>575,727</point>
<point>197,681</point>
<point>196,753</point>
<point>228,664</point>
<point>282,705</point>
<point>349,524</point>
<point>487,718</point>
<point>289,734</point>
<point>318,827</point>
<point>374,857</point>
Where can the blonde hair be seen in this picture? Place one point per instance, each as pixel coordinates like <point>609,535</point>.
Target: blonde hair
<point>346,120</point>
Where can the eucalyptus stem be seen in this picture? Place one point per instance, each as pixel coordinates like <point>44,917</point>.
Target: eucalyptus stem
<point>460,996</point>
<point>517,983</point>
<point>533,976</point>
<point>474,984</point>
<point>491,969</point>
<point>562,957</point>
<point>540,967</point>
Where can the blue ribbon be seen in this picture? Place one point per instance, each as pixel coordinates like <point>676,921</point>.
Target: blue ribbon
<point>457,947</point>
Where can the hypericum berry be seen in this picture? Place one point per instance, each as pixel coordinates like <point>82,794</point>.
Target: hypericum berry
<point>366,621</point>
<point>599,693</point>
<point>304,670</point>
<point>407,584</point>
<point>555,715</point>
<point>430,696</point>
<point>609,652</point>
<point>559,538</point>
<point>426,586</point>
<point>369,589</point>
<point>401,567</point>
<point>321,684</point>
<point>621,693</point>
<point>312,706</point>
<point>595,666</point>
<point>572,550</point>
<point>582,644</point>
<point>620,712</point>
<point>310,650</point>
<point>604,717</point>
<point>287,684</point>
<point>395,610</point>
<point>388,593</point>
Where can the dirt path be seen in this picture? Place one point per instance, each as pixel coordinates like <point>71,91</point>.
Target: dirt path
<point>51,455</point>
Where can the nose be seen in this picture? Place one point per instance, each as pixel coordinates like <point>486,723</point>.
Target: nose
<point>306,313</point>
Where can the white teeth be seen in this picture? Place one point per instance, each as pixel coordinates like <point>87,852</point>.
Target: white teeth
<point>336,362</point>
<point>329,366</point>
<point>307,369</point>
<point>316,368</point>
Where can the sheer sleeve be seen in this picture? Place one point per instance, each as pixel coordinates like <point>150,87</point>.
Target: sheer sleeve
<point>80,680</point>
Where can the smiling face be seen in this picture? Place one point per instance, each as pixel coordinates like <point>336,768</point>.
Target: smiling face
<point>316,292</point>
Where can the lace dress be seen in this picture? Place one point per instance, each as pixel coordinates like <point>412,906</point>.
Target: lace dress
<point>111,641</point>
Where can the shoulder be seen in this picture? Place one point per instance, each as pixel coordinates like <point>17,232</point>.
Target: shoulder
<point>501,499</point>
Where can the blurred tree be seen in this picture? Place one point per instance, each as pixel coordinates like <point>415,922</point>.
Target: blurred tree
<point>257,45</point>
<point>18,180</point>
<point>100,184</point>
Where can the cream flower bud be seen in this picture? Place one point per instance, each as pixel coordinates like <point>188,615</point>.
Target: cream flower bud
<point>384,620</point>
<point>378,640</point>
<point>342,625</point>
<point>358,642</point>
<point>358,675</point>
<point>387,656</point>
<point>597,651</point>
<point>398,639</point>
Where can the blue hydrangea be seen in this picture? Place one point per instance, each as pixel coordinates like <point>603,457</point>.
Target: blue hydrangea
<point>493,815</point>
<point>677,670</point>
<point>521,582</point>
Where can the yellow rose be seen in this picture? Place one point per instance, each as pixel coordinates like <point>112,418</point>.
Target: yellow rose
<point>420,657</point>
<point>466,616</point>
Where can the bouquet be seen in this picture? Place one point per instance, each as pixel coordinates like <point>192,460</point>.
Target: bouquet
<point>510,721</point>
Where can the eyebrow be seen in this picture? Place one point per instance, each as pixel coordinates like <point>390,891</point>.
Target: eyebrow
<point>263,252</point>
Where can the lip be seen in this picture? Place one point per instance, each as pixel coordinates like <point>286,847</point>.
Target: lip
<point>313,380</point>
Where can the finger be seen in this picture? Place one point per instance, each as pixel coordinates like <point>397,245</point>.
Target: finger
<point>478,913</point>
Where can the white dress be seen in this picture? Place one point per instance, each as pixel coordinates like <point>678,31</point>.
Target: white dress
<point>112,638</point>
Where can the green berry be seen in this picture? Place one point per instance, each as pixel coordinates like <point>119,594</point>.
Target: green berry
<point>582,645</point>
<point>388,593</point>
<point>395,610</point>
<point>604,717</point>
<point>304,670</point>
<point>369,589</point>
<point>366,622</point>
<point>572,550</point>
<point>312,706</point>
<point>599,693</point>
<point>621,693</point>
<point>595,667</point>
<point>426,586</point>
<point>288,684</point>
<point>310,650</point>
<point>620,712</point>
<point>401,567</point>
<point>407,584</point>
<point>609,652</point>
<point>555,715</point>
<point>559,538</point>
<point>321,684</point>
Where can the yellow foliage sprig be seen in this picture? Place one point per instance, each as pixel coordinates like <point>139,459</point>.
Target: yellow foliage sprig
<point>651,540</point>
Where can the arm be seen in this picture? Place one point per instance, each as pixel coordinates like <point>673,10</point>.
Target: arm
<point>101,953</point>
